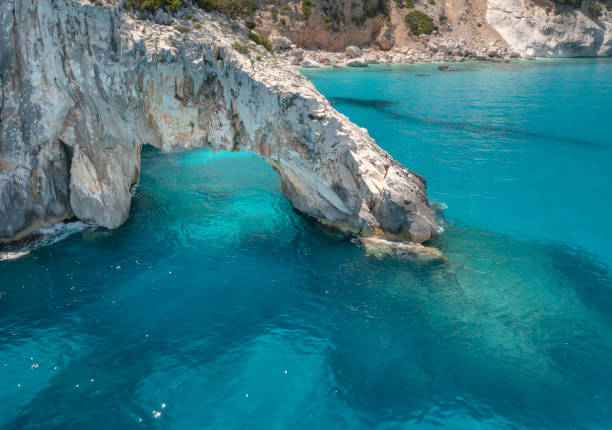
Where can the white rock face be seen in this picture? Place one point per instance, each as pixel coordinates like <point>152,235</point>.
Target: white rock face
<point>309,62</point>
<point>83,87</point>
<point>280,43</point>
<point>357,62</point>
<point>531,31</point>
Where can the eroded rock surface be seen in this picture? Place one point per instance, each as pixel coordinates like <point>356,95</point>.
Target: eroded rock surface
<point>532,29</point>
<point>84,87</point>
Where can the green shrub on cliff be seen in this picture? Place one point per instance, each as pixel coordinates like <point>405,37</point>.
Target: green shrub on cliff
<point>595,9</point>
<point>153,5</point>
<point>228,7</point>
<point>372,8</point>
<point>420,23</point>
<point>243,48</point>
<point>572,3</point>
<point>260,40</point>
<point>183,28</point>
<point>307,7</point>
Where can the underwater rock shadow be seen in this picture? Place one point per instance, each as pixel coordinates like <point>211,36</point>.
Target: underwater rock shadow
<point>444,340</point>
<point>483,128</point>
<point>368,103</point>
<point>383,105</point>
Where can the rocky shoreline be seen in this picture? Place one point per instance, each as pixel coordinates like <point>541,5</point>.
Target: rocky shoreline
<point>354,57</point>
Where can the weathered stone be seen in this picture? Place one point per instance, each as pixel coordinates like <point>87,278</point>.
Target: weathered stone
<point>357,62</point>
<point>309,62</point>
<point>535,31</point>
<point>451,45</point>
<point>83,87</point>
<point>280,43</point>
<point>385,39</point>
<point>352,52</point>
<point>162,18</point>
<point>261,50</point>
<point>298,54</point>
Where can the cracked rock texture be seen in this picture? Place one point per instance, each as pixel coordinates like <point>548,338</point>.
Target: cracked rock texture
<point>530,29</point>
<point>83,87</point>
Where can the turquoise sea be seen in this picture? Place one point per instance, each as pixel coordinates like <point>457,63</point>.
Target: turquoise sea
<point>217,306</point>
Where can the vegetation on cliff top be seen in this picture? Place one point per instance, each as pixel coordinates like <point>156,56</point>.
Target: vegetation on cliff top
<point>260,40</point>
<point>420,23</point>
<point>307,7</point>
<point>243,48</point>
<point>332,10</point>
<point>228,7</point>
<point>153,5</point>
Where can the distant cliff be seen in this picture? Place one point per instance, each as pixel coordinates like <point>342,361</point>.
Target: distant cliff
<point>561,28</point>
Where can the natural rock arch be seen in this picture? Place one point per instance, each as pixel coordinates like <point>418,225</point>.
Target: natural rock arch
<point>84,87</point>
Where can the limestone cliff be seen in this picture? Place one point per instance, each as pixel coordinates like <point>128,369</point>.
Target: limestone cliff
<point>543,30</point>
<point>83,87</point>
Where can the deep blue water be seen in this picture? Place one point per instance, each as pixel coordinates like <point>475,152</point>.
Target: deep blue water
<point>217,306</point>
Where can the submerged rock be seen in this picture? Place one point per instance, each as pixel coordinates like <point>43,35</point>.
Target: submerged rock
<point>380,248</point>
<point>85,86</point>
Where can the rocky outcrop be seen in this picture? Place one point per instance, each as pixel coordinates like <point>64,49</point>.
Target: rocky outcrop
<point>534,30</point>
<point>280,43</point>
<point>352,52</point>
<point>385,39</point>
<point>83,87</point>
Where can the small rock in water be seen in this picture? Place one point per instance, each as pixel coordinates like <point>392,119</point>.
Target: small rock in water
<point>358,62</point>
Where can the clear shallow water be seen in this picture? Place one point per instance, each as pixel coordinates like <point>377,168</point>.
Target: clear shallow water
<point>215,289</point>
